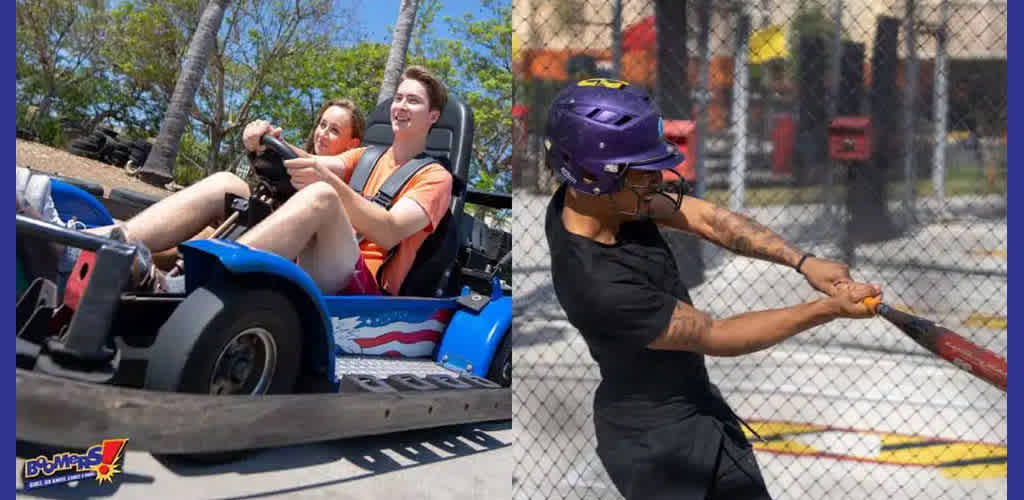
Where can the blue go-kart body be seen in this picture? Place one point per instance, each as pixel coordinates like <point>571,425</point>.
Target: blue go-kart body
<point>455,336</point>
<point>366,326</point>
<point>275,304</point>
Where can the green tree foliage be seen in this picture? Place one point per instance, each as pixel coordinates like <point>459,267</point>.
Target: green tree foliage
<point>255,46</point>
<point>273,60</point>
<point>475,61</point>
<point>57,43</point>
<point>292,96</point>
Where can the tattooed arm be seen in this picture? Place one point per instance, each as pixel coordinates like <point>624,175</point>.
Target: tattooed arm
<point>693,330</point>
<point>745,236</point>
<point>731,230</point>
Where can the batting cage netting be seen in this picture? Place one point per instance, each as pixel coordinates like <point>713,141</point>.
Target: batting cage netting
<point>868,132</point>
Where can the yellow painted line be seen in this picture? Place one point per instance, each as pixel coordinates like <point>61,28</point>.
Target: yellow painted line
<point>891,439</point>
<point>772,428</point>
<point>766,429</point>
<point>983,471</point>
<point>786,446</point>
<point>999,252</point>
<point>906,309</point>
<point>993,321</point>
<point>955,459</point>
<point>940,453</point>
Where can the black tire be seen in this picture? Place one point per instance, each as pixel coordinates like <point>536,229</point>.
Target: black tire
<point>84,145</point>
<point>99,138</point>
<point>188,352</point>
<point>26,134</point>
<point>105,153</point>
<point>118,160</point>
<point>500,370</point>
<point>107,131</point>
<point>92,155</point>
<point>139,158</point>
<point>133,198</point>
<point>88,142</point>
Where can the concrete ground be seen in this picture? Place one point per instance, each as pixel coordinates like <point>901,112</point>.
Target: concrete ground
<point>448,463</point>
<point>857,409</point>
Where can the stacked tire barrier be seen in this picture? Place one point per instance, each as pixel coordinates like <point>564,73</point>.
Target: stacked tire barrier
<point>103,144</point>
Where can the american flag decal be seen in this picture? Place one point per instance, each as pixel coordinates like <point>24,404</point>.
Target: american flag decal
<point>395,334</point>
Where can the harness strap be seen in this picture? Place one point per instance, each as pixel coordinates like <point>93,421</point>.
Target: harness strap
<point>385,196</point>
<point>364,167</point>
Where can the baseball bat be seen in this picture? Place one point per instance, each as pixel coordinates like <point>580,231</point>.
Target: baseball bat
<point>966,355</point>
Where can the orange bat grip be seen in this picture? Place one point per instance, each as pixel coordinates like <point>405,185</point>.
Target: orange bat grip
<point>871,302</point>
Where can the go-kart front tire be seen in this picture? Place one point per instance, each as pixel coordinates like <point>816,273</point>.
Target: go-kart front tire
<point>227,340</point>
<point>500,370</point>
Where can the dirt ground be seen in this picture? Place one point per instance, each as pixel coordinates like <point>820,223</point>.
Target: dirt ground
<point>56,161</point>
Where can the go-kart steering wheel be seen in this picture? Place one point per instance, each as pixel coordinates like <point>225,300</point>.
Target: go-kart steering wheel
<point>270,170</point>
<point>285,152</point>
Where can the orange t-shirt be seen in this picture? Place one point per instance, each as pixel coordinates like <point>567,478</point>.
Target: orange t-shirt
<point>431,188</point>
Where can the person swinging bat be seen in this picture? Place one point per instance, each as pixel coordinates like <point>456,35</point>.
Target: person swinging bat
<point>663,428</point>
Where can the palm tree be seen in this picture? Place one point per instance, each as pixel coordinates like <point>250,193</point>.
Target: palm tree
<point>399,45</point>
<point>159,167</point>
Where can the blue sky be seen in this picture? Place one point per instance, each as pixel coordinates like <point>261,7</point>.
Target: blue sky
<point>376,16</point>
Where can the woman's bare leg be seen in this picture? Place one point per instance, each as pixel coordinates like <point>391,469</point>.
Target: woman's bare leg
<point>182,215</point>
<point>313,228</point>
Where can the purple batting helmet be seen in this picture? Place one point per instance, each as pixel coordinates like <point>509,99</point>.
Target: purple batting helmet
<point>598,128</point>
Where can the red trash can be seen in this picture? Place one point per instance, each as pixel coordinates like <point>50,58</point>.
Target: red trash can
<point>684,134</point>
<point>783,143</point>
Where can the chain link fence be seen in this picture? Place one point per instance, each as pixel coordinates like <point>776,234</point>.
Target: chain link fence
<point>755,93</point>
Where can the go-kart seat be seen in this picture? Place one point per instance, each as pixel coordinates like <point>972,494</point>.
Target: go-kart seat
<point>450,141</point>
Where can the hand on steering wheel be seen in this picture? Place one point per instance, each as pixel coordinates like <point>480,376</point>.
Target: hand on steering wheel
<point>278,146</point>
<point>304,171</point>
<point>270,170</point>
<point>255,131</point>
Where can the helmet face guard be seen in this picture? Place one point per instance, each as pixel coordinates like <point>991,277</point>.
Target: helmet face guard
<point>670,190</point>
<point>598,130</point>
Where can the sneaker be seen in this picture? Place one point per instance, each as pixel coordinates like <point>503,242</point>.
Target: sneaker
<point>145,276</point>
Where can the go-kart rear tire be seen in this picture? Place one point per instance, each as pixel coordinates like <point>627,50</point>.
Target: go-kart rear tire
<point>501,365</point>
<point>189,346</point>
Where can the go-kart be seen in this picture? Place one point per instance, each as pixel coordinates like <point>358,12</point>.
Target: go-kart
<point>96,357</point>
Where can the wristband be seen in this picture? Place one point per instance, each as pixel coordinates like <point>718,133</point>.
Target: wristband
<point>802,259</point>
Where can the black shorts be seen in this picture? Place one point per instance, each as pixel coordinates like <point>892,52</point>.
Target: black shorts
<point>700,458</point>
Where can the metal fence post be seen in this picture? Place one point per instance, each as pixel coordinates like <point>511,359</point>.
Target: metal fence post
<point>740,99</point>
<point>941,109</point>
<point>617,38</point>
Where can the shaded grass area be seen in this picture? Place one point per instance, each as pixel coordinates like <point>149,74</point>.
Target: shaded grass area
<point>959,182</point>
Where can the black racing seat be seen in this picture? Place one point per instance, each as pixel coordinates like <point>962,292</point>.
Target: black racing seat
<point>450,141</point>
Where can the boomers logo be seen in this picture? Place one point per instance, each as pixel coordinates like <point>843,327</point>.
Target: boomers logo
<point>100,461</point>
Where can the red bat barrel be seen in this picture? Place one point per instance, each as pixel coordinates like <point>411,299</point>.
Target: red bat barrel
<point>948,345</point>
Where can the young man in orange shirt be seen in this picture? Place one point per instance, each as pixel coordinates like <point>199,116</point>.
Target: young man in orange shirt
<point>335,209</point>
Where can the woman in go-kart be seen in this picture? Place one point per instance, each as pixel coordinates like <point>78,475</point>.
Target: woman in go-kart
<point>317,225</point>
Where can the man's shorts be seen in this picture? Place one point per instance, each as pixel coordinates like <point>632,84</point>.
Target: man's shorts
<point>699,457</point>
<point>362,281</point>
